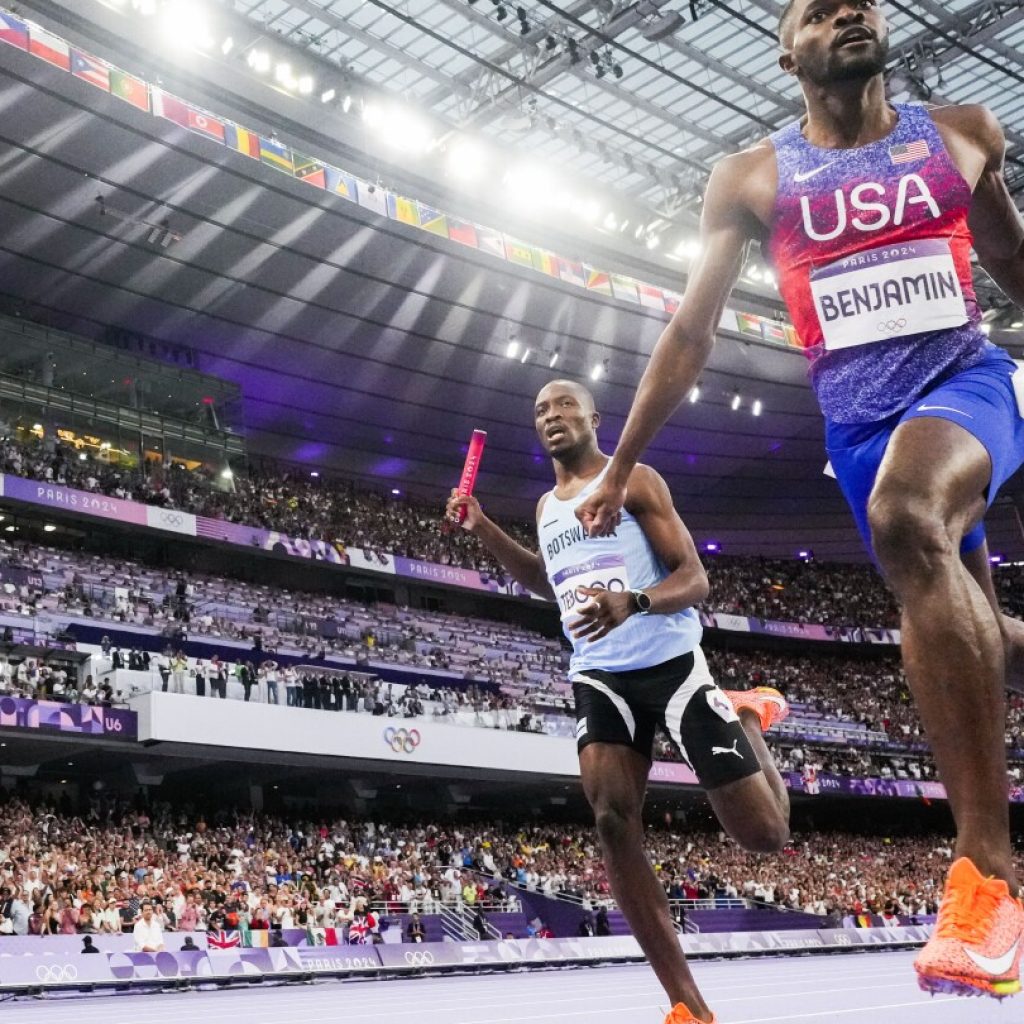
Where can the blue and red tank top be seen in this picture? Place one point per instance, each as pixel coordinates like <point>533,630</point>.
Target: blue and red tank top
<point>872,250</point>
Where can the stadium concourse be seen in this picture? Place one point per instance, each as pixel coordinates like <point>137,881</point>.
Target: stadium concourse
<point>278,740</point>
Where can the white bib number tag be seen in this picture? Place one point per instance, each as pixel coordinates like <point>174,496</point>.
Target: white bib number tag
<point>607,572</point>
<point>893,291</point>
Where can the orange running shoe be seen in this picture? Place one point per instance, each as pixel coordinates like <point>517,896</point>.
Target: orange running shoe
<point>765,701</point>
<point>976,947</point>
<point>680,1014</point>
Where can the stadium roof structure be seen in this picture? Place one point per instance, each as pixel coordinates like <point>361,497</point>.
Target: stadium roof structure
<point>374,348</point>
<point>642,96</point>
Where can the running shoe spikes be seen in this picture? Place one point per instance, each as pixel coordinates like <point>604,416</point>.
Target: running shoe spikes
<point>679,1014</point>
<point>765,701</point>
<point>976,947</point>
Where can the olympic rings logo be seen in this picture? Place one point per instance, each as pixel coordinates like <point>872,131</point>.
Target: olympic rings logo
<point>889,326</point>
<point>54,974</point>
<point>419,959</point>
<point>402,741</point>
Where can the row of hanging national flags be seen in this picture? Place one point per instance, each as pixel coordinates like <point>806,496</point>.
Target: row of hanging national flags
<point>314,172</point>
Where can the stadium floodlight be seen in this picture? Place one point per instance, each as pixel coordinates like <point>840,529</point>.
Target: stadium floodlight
<point>694,394</point>
<point>466,159</point>
<point>258,60</point>
<point>305,85</point>
<point>183,23</point>
<point>513,350</point>
<point>736,402</point>
<point>327,95</point>
<point>756,407</point>
<point>227,46</point>
<point>554,359</point>
<point>346,104</point>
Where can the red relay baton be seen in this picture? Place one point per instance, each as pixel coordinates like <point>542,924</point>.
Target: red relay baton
<point>471,467</point>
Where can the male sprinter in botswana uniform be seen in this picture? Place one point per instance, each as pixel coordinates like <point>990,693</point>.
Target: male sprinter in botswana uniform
<point>626,602</point>
<point>868,210</point>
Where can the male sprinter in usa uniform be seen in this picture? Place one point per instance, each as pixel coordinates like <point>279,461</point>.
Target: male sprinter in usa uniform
<point>868,210</point>
<point>626,601</point>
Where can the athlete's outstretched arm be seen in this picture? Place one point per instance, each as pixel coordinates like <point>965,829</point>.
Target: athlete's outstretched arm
<point>685,344</point>
<point>994,220</point>
<point>686,584</point>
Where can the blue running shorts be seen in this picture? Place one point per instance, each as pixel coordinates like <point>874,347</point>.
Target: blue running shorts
<point>987,400</point>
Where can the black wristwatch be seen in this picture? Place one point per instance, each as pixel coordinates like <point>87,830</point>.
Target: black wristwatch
<point>642,602</point>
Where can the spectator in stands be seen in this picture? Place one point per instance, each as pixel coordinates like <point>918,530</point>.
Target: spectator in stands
<point>148,934</point>
<point>415,931</point>
<point>199,674</point>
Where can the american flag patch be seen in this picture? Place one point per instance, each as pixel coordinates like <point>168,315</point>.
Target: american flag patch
<point>909,152</point>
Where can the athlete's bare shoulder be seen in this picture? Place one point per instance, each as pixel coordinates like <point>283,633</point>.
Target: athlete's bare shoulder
<point>541,502</point>
<point>644,488</point>
<point>747,180</point>
<point>970,126</point>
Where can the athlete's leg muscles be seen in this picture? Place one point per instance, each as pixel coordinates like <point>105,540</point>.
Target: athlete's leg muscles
<point>930,490</point>
<point>615,782</point>
<point>980,568</point>
<point>755,810</point>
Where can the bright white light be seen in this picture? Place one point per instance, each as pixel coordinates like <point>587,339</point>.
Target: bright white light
<point>769,278</point>
<point>525,355</point>
<point>654,241</point>
<point>346,104</point>
<point>313,473</point>
<point>37,426</point>
<point>986,328</point>
<point>530,184</point>
<point>305,85</point>
<point>597,372</point>
<point>513,349</point>
<point>82,457</point>
<point>553,360</point>
<point>258,60</point>
<point>327,96</point>
<point>145,7</point>
<point>401,129</point>
<point>395,491</point>
<point>754,273</point>
<point>694,394</point>
<point>49,528</point>
<point>588,210</point>
<point>756,408</point>
<point>1017,325</point>
<point>736,402</point>
<point>227,46</point>
<point>283,76</point>
<point>227,474</point>
<point>183,23</point>
<point>466,159</point>
<point>610,222</point>
<point>688,248</point>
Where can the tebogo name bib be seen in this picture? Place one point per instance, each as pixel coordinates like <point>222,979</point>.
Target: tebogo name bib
<point>893,291</point>
<point>606,572</point>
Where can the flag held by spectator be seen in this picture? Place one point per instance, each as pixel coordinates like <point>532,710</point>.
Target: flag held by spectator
<point>322,936</point>
<point>223,940</point>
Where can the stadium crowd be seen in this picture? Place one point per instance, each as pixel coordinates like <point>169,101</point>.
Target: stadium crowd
<point>473,671</point>
<point>90,871</point>
<point>300,505</point>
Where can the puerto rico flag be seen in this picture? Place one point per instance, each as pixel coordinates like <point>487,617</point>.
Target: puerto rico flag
<point>13,31</point>
<point>223,940</point>
<point>90,70</point>
<point>49,47</point>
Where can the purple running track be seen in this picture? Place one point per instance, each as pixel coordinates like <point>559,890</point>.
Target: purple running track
<point>876,986</point>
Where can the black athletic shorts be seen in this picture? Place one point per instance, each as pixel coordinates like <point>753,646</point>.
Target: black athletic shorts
<point>681,697</point>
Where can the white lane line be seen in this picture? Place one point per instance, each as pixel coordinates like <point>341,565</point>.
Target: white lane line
<point>918,1003</point>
